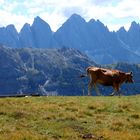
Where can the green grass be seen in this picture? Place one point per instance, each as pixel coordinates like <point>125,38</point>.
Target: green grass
<point>70,118</point>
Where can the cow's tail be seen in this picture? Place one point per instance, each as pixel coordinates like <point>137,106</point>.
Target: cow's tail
<point>85,75</point>
<point>82,76</point>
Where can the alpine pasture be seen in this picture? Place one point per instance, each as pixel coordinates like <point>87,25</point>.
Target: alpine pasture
<point>70,118</point>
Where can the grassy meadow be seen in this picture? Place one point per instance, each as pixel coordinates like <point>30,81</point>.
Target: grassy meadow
<point>70,118</point>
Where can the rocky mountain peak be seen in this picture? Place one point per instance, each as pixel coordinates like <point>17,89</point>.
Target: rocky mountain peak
<point>11,27</point>
<point>97,24</point>
<point>76,18</point>
<point>122,29</point>
<point>26,26</point>
<point>134,27</point>
<point>39,22</point>
<point>42,33</point>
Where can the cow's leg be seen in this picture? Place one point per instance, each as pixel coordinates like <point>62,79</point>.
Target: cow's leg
<point>120,93</point>
<point>115,90</point>
<point>118,90</point>
<point>89,88</point>
<point>96,89</point>
<point>113,93</point>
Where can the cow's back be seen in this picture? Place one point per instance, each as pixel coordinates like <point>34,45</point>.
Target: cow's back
<point>103,76</point>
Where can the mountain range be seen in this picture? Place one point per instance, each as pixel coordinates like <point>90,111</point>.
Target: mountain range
<point>92,38</point>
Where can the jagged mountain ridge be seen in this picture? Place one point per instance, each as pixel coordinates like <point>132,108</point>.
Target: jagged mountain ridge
<point>95,39</point>
<point>131,37</point>
<point>92,38</point>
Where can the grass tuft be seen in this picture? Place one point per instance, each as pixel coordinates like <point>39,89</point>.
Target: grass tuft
<point>135,116</point>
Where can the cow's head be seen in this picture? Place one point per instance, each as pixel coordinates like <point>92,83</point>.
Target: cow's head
<point>129,77</point>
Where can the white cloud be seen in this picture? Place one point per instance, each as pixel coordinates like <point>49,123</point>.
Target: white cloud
<point>126,8</point>
<point>116,27</point>
<point>113,13</point>
<point>9,6</point>
<point>9,18</point>
<point>54,20</point>
<point>1,1</point>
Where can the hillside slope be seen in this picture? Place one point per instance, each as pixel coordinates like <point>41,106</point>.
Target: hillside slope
<point>41,71</point>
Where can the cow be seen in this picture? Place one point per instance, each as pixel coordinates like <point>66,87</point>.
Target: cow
<point>107,77</point>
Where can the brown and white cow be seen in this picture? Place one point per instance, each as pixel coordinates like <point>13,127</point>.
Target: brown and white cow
<point>107,77</point>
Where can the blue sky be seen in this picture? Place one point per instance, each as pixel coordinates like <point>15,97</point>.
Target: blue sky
<point>113,13</point>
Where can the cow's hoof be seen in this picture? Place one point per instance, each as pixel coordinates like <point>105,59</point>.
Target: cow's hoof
<point>111,95</point>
